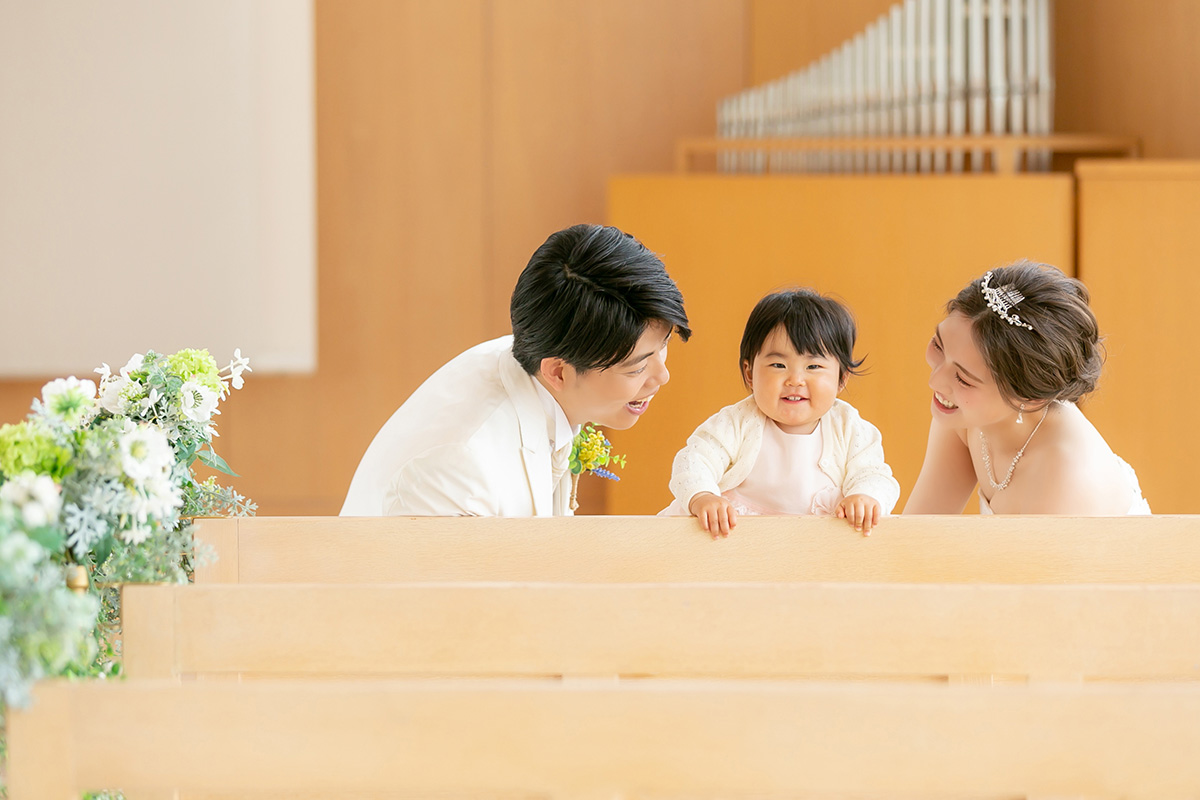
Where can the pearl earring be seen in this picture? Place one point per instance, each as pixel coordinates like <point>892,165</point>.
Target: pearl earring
<point>1021,414</point>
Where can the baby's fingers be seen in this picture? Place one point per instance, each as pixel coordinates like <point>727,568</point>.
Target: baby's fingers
<point>868,520</point>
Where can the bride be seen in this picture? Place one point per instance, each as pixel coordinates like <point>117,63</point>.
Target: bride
<point>1017,349</point>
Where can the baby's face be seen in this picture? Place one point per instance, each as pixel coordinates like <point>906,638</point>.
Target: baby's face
<point>793,389</point>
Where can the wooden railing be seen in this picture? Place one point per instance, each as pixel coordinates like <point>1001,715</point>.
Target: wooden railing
<point>1005,151</point>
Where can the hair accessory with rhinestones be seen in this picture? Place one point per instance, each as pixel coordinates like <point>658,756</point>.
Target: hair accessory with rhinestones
<point>1002,299</point>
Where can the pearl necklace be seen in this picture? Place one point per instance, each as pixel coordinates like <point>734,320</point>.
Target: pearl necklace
<point>987,459</point>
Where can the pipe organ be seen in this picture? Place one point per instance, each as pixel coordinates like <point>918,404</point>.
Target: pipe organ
<point>925,69</point>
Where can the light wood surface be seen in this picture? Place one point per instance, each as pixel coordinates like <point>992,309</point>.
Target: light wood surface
<point>945,549</point>
<point>893,248</point>
<point>662,630</point>
<point>1139,246</point>
<point>687,739</point>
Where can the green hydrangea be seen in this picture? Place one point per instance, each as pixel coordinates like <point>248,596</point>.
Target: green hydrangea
<point>30,447</point>
<point>195,365</point>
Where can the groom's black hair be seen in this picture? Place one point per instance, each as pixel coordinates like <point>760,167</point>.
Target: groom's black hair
<point>587,295</point>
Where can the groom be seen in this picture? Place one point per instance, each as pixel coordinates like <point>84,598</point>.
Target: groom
<point>490,433</point>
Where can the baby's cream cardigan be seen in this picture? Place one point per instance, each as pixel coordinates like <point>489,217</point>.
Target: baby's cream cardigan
<point>722,451</point>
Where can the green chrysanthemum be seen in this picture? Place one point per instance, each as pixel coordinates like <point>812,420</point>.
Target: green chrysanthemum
<point>28,447</point>
<point>195,365</point>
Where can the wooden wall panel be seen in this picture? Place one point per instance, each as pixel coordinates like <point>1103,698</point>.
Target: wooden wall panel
<point>581,90</point>
<point>893,248</point>
<point>1130,68</point>
<point>786,35</point>
<point>1138,242</point>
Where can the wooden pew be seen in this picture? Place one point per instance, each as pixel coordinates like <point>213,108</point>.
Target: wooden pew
<point>933,549</point>
<point>687,738</point>
<point>663,630</point>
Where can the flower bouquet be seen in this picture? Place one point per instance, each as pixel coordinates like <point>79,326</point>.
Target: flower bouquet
<point>99,480</point>
<point>123,454</point>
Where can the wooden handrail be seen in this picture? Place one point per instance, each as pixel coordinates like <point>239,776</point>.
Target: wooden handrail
<point>1004,149</point>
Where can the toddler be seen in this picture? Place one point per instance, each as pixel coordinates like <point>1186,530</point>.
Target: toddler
<point>791,447</point>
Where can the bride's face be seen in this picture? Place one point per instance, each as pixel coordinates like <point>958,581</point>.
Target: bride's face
<point>965,394</point>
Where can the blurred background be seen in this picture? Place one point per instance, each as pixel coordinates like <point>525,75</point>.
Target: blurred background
<point>448,138</point>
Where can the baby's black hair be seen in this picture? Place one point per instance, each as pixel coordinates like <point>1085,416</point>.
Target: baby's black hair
<point>815,323</point>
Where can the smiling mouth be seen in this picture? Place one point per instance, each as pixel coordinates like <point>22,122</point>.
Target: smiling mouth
<point>943,402</point>
<point>640,405</point>
<point>794,398</point>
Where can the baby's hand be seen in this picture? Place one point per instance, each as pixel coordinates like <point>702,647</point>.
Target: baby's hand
<point>715,513</point>
<point>860,510</point>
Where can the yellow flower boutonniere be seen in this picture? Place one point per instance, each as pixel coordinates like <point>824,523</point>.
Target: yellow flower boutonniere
<point>593,453</point>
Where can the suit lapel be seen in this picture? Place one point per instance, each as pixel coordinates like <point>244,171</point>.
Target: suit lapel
<point>535,443</point>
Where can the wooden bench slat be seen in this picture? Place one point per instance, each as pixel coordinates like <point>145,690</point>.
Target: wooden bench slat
<point>927,549</point>
<point>726,630</point>
<point>688,738</point>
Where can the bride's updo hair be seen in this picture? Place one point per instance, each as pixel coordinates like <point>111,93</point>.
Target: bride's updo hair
<point>1058,356</point>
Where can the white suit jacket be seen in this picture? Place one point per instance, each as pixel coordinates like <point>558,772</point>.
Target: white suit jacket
<point>473,439</point>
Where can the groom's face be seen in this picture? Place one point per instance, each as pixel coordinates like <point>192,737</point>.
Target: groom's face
<point>618,396</point>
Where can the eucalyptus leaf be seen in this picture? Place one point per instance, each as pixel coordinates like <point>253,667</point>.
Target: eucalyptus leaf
<point>211,459</point>
<point>103,549</point>
<point>52,539</point>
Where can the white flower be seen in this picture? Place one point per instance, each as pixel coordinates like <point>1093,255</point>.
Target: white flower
<point>20,556</point>
<point>160,499</point>
<point>112,389</point>
<point>36,497</point>
<point>136,534</point>
<point>104,372</point>
<point>145,453</point>
<point>45,491</point>
<point>236,367</point>
<point>147,402</point>
<point>69,399</point>
<point>198,402</point>
<point>134,364</point>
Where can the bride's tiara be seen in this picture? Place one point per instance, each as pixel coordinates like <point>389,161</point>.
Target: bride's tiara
<point>1002,300</point>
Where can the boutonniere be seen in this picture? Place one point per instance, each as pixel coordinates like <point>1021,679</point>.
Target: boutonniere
<point>591,452</point>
